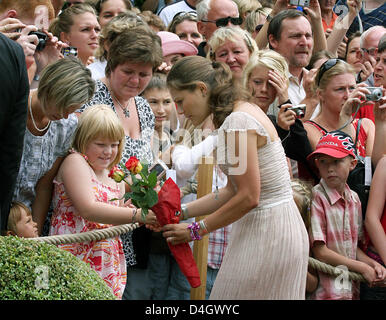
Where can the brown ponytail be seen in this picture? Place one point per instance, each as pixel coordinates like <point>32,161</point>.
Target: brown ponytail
<point>223,91</point>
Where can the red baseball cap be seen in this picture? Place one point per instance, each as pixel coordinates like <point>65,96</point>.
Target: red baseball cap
<point>336,144</point>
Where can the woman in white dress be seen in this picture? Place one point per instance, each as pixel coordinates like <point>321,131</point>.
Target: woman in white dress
<point>268,251</point>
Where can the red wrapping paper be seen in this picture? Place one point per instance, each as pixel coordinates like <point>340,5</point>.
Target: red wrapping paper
<point>169,203</point>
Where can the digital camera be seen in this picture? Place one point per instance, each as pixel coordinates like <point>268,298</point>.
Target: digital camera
<point>299,110</point>
<point>70,51</point>
<point>160,168</point>
<point>375,94</point>
<point>42,37</point>
<point>300,3</point>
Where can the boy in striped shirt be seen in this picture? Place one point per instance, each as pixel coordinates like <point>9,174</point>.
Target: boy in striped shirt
<point>336,221</point>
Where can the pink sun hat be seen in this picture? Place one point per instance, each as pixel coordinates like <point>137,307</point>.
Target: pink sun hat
<point>172,44</point>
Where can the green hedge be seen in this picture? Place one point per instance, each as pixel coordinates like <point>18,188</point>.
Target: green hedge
<point>31,270</point>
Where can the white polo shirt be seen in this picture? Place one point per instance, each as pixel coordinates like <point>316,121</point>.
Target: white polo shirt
<point>167,13</point>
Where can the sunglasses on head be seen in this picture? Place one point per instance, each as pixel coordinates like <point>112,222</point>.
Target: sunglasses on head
<point>183,14</point>
<point>259,27</point>
<point>327,65</point>
<point>223,22</point>
<point>69,4</point>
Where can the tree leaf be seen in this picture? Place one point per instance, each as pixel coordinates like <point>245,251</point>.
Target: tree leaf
<point>136,196</point>
<point>145,168</point>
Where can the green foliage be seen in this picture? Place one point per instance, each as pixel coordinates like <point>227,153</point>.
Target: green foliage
<point>142,193</point>
<point>22,262</point>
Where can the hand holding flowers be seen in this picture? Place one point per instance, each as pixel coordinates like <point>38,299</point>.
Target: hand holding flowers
<point>142,193</point>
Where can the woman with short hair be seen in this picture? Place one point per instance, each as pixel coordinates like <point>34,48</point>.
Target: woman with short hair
<point>64,86</point>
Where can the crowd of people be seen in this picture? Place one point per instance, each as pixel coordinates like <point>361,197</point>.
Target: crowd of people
<point>289,100</point>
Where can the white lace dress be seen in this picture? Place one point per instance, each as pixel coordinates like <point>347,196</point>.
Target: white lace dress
<point>267,255</point>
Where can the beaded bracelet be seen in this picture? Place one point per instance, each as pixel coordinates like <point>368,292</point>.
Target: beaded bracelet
<point>194,228</point>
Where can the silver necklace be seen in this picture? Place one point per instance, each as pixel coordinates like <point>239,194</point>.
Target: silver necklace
<point>125,110</point>
<point>32,117</point>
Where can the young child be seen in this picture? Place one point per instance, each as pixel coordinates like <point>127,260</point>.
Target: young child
<point>20,222</point>
<point>302,193</point>
<point>154,279</point>
<point>336,220</point>
<point>83,194</point>
<point>161,102</point>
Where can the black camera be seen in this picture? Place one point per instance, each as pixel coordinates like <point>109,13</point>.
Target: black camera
<point>375,94</point>
<point>42,37</point>
<point>70,51</point>
<point>299,110</point>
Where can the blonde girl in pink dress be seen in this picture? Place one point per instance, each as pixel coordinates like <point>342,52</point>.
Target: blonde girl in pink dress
<point>83,193</point>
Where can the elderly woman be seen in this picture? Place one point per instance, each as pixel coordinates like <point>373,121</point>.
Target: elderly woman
<point>233,46</point>
<point>78,27</point>
<point>64,86</point>
<point>133,57</point>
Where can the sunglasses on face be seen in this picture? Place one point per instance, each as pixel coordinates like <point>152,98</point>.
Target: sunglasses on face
<point>223,22</point>
<point>325,67</point>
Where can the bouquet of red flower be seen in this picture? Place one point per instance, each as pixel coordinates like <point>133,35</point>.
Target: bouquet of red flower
<point>166,206</point>
<point>142,193</point>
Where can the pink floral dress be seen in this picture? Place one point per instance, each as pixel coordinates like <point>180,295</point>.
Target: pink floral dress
<point>106,256</point>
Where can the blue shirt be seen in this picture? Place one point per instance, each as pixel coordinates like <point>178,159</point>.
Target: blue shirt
<point>376,17</point>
